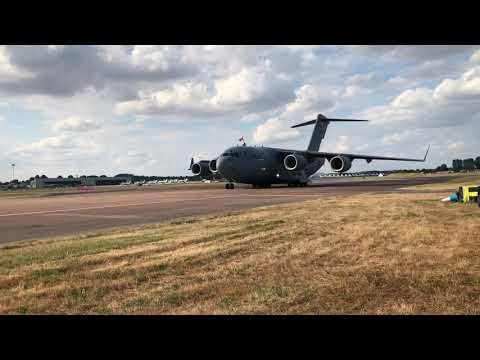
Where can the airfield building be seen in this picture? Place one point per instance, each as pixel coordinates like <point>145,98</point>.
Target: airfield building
<point>72,182</point>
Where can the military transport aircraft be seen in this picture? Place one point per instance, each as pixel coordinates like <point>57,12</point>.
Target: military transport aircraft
<point>264,166</point>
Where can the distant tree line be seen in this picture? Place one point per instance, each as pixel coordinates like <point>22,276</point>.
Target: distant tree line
<point>466,164</point>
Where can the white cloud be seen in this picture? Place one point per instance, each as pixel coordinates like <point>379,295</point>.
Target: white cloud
<point>360,79</point>
<point>189,97</point>
<point>307,52</point>
<point>200,156</point>
<point>451,103</point>
<point>257,116</point>
<point>273,130</point>
<point>309,97</point>
<point>397,138</point>
<point>397,80</point>
<point>309,101</point>
<point>154,57</point>
<point>416,52</point>
<point>415,98</point>
<point>54,143</point>
<point>467,87</point>
<point>475,58</point>
<point>301,47</point>
<point>243,87</point>
<point>342,144</point>
<point>355,90</point>
<point>249,86</point>
<point>251,118</point>
<point>456,145</point>
<point>75,124</point>
<point>8,71</point>
<point>135,158</point>
<point>55,48</point>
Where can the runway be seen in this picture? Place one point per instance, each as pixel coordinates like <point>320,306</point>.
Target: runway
<point>69,214</point>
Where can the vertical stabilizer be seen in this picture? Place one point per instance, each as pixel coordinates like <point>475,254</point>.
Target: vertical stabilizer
<point>321,124</point>
<point>318,133</point>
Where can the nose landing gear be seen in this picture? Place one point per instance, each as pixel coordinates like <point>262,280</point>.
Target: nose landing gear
<point>229,186</point>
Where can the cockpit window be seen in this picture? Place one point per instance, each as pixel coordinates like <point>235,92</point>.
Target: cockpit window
<point>231,153</point>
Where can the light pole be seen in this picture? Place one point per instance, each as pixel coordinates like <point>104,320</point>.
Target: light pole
<point>13,172</point>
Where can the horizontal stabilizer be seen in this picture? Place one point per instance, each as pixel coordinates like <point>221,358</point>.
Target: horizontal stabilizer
<point>311,122</point>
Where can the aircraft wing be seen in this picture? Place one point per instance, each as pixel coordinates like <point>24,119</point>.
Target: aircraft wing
<point>368,158</point>
<point>365,157</point>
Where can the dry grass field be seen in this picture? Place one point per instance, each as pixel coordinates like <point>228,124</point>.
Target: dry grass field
<point>389,254</point>
<point>452,184</point>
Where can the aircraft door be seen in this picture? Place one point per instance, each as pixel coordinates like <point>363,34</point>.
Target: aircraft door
<point>261,165</point>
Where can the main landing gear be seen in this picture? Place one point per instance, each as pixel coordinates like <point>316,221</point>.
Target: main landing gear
<point>229,186</point>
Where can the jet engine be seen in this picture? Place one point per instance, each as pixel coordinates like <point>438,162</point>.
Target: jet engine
<point>201,168</point>
<point>294,162</point>
<point>340,163</point>
<point>213,166</point>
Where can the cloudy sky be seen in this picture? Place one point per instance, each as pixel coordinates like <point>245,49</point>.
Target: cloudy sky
<point>85,110</point>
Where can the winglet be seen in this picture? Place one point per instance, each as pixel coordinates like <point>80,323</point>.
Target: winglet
<point>191,164</point>
<point>425,158</point>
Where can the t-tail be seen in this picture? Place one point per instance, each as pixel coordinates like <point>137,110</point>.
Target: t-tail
<point>321,124</point>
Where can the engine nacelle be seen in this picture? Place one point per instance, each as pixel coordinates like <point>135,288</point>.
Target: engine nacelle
<point>293,162</point>
<point>201,168</point>
<point>340,163</point>
<point>213,166</point>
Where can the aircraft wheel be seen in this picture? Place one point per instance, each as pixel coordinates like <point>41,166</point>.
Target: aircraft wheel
<point>227,186</point>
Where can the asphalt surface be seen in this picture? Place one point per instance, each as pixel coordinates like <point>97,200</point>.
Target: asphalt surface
<point>69,214</point>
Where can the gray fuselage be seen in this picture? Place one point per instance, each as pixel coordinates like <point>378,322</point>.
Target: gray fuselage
<point>262,165</point>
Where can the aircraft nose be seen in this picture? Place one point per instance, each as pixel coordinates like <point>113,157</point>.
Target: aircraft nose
<point>223,165</point>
